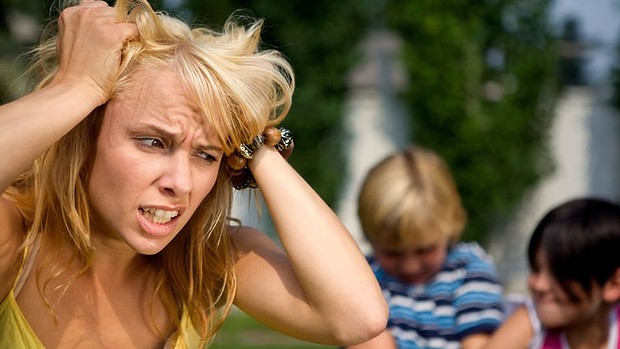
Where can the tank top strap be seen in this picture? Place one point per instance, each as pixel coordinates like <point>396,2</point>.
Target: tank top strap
<point>615,331</point>
<point>553,340</point>
<point>30,254</point>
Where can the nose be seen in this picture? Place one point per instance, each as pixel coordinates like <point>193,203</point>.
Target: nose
<point>411,264</point>
<point>538,282</point>
<point>176,179</point>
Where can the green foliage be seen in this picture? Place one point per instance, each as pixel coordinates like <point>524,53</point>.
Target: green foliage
<point>482,81</point>
<point>493,145</point>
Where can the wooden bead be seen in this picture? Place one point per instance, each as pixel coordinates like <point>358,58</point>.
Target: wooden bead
<point>236,162</point>
<point>272,136</point>
<point>288,151</point>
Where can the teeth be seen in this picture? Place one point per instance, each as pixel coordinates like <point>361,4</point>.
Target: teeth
<point>159,216</point>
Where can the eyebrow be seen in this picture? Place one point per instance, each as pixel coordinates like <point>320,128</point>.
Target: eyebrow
<point>164,132</point>
<point>156,128</point>
<point>213,148</point>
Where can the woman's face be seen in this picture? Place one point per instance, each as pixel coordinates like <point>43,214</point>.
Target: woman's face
<point>412,265</point>
<point>554,307</point>
<point>155,162</point>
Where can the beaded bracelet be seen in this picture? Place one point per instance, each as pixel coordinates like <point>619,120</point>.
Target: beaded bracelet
<point>240,174</point>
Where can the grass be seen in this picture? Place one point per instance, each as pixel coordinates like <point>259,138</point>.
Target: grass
<point>242,332</point>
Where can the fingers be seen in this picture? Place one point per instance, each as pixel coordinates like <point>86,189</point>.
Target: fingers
<point>126,32</point>
<point>97,16</point>
<point>90,45</point>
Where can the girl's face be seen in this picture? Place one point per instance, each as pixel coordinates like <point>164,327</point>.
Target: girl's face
<point>155,162</point>
<point>412,265</point>
<point>554,307</point>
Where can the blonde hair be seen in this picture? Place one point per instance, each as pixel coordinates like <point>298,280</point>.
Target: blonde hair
<point>410,199</point>
<point>240,90</point>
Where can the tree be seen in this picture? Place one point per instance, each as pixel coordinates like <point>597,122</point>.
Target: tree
<point>482,83</point>
<point>483,80</point>
<point>26,15</point>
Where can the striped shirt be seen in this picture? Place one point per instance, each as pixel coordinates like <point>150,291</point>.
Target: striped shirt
<point>464,298</point>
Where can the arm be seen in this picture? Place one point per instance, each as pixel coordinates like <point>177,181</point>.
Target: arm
<point>90,46</point>
<point>382,341</point>
<point>322,290</point>
<point>515,333</point>
<point>475,341</point>
<point>89,50</point>
<point>479,301</point>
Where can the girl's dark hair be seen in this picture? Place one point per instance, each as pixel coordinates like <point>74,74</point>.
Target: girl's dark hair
<point>581,239</point>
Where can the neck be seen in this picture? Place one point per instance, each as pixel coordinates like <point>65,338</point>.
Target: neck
<point>592,333</point>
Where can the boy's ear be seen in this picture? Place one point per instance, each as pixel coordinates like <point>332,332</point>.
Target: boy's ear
<point>611,289</point>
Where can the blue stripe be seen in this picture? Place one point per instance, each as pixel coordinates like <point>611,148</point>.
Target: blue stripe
<point>465,264</point>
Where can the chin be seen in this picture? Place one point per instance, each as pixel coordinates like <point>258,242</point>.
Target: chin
<point>555,321</point>
<point>553,325</point>
<point>149,248</point>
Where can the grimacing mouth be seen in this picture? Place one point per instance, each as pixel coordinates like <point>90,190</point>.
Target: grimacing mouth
<point>157,215</point>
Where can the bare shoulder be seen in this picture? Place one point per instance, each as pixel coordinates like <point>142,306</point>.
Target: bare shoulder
<point>11,236</point>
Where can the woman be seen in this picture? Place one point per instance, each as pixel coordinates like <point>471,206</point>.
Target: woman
<point>117,180</point>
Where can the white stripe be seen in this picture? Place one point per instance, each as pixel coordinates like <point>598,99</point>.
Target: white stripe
<point>478,286</point>
<point>474,317</point>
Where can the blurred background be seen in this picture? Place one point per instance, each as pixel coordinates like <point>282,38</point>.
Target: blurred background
<point>521,97</point>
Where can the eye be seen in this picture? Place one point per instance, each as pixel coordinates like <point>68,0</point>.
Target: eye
<point>427,249</point>
<point>203,155</point>
<point>151,142</point>
<point>392,253</point>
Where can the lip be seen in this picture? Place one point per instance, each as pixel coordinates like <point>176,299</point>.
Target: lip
<point>157,229</point>
<point>417,279</point>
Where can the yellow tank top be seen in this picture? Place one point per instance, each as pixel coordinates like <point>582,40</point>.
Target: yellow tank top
<point>16,333</point>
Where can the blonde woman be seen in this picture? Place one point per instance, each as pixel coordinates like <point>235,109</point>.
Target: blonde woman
<point>118,172</point>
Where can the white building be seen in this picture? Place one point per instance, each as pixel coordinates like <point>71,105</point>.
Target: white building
<point>585,145</point>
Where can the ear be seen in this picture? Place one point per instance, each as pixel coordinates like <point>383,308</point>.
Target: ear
<point>611,289</point>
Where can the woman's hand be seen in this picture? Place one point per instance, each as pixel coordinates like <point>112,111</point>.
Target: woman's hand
<point>89,49</point>
<point>89,46</point>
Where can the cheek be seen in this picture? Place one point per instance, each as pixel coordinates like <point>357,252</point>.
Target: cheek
<point>389,264</point>
<point>434,261</point>
<point>530,282</point>
<point>204,183</point>
<point>114,171</point>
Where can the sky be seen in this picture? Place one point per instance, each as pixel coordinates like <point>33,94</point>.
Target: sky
<point>600,24</point>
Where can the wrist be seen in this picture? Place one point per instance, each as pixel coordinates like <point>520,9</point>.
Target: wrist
<point>85,91</point>
<point>242,161</point>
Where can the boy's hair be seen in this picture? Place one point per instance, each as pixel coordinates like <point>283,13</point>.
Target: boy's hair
<point>581,239</point>
<point>410,199</point>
